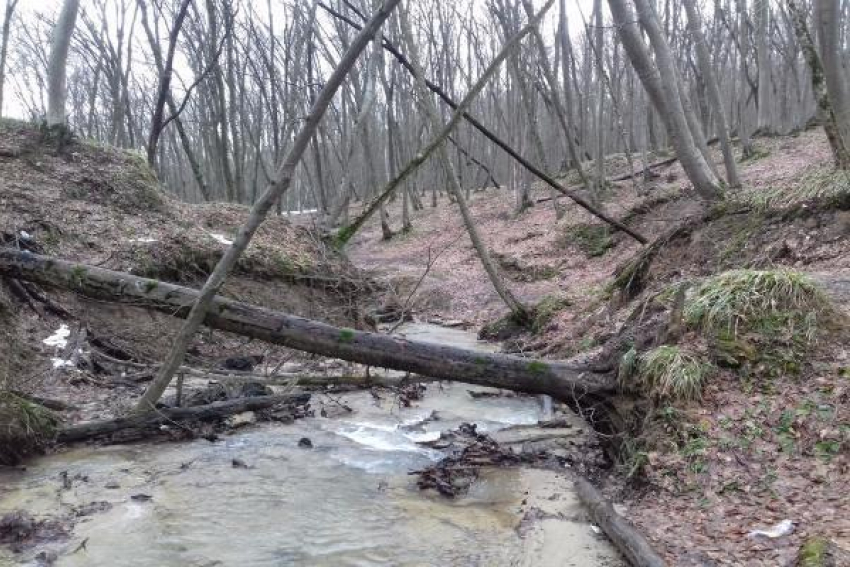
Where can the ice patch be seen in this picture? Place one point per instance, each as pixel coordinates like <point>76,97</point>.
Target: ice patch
<point>221,238</point>
<point>59,339</point>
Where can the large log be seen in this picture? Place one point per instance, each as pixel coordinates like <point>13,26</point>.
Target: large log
<point>148,420</point>
<point>563,380</point>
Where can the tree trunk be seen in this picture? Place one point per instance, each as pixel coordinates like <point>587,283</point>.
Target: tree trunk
<point>660,84</point>
<point>563,380</point>
<point>274,191</point>
<point>828,18</point>
<point>713,91</point>
<point>517,309</point>
<point>840,149</point>
<point>631,543</point>
<point>60,42</point>
<point>4,45</point>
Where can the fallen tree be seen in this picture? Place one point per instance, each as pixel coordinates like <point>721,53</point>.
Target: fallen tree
<point>152,419</point>
<point>563,380</point>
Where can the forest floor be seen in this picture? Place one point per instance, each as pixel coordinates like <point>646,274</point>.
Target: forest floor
<point>753,451</point>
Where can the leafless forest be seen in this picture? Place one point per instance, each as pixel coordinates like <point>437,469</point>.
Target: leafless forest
<point>623,223</point>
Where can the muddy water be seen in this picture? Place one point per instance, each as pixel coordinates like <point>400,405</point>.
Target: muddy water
<point>348,500</point>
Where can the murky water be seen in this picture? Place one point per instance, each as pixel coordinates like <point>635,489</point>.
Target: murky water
<point>347,501</point>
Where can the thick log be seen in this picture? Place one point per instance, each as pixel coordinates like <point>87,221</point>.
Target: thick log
<point>631,543</point>
<point>217,410</point>
<point>563,380</point>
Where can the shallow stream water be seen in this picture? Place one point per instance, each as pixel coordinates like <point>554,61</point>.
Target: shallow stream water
<point>348,500</point>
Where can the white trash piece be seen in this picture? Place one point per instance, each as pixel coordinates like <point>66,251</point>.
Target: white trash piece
<point>783,528</point>
<point>59,339</point>
<point>221,238</point>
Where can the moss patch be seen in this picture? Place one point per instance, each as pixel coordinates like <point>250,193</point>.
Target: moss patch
<point>592,239</point>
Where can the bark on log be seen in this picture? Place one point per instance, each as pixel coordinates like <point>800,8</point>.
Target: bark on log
<point>563,380</point>
<point>631,543</point>
<point>216,410</point>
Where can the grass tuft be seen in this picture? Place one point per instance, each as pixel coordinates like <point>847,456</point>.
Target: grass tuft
<point>741,301</point>
<point>24,427</point>
<point>669,373</point>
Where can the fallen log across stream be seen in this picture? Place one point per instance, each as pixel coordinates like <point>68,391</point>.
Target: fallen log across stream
<point>565,381</point>
<point>144,421</point>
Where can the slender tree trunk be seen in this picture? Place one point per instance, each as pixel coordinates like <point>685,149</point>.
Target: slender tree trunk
<point>840,149</point>
<point>60,43</point>
<point>828,18</point>
<point>762,8</point>
<point>272,193</point>
<point>660,84</point>
<point>713,91</point>
<point>4,45</point>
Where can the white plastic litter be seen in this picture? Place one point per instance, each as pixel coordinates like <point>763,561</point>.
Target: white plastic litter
<point>25,235</point>
<point>221,238</point>
<point>783,528</point>
<point>145,240</point>
<point>62,363</point>
<point>59,338</point>
<point>595,529</point>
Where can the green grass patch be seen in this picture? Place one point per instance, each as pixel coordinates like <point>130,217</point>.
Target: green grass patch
<point>668,373</point>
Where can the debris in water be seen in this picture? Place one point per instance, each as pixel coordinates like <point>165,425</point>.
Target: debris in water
<point>783,528</point>
<point>305,443</point>
<point>112,485</point>
<point>141,497</point>
<point>239,464</point>
<point>59,339</point>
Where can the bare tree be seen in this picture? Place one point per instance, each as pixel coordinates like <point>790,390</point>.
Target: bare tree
<point>261,208</point>
<point>60,42</point>
<point>660,83</point>
<point>4,45</point>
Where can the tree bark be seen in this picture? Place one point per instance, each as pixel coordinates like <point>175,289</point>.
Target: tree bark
<point>4,45</point>
<point>828,18</point>
<point>274,191</point>
<point>631,543</point>
<point>660,79</point>
<point>840,149</point>
<point>713,90</point>
<point>60,43</point>
<point>563,380</point>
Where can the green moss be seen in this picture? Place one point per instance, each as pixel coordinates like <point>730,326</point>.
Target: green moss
<point>150,286</point>
<point>813,553</point>
<point>346,336</point>
<point>546,310</point>
<point>592,239</point>
<point>538,368</point>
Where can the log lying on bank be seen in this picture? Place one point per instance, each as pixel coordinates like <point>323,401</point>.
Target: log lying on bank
<point>631,543</point>
<point>216,410</point>
<point>562,380</point>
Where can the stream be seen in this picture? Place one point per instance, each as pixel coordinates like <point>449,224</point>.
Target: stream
<point>347,500</point>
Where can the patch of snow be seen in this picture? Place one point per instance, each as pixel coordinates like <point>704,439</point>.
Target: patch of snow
<point>302,212</point>
<point>59,339</point>
<point>220,238</point>
<point>783,528</point>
